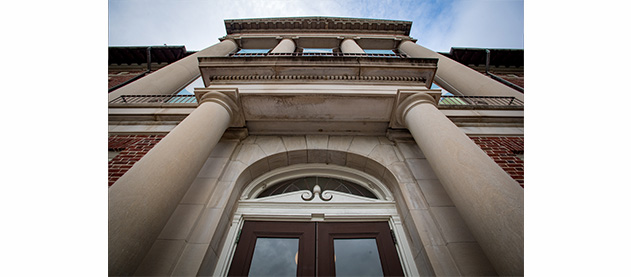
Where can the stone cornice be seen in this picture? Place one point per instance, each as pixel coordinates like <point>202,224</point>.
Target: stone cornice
<point>317,24</point>
<point>326,69</point>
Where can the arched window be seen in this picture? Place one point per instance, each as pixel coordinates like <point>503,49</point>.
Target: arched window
<point>306,210</point>
<point>309,183</point>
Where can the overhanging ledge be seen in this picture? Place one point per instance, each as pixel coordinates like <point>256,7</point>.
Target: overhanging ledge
<point>313,69</point>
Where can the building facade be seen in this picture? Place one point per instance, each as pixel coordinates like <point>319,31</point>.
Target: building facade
<point>316,146</point>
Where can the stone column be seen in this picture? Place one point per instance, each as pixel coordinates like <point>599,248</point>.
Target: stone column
<point>142,200</point>
<point>458,78</point>
<point>174,77</point>
<point>350,46</point>
<point>286,45</point>
<point>488,199</point>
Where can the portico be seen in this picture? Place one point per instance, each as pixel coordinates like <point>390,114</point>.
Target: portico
<point>376,116</point>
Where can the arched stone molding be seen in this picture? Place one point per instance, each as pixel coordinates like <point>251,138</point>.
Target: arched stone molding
<point>244,169</point>
<point>273,177</point>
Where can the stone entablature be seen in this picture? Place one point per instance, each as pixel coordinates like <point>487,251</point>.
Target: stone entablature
<point>313,69</point>
<point>318,24</point>
<point>317,40</point>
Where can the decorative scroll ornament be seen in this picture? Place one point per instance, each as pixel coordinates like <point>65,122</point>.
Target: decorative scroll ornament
<point>324,196</point>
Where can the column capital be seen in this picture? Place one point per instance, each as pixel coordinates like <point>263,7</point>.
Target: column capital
<point>406,100</point>
<point>348,37</point>
<point>279,38</point>
<point>227,98</point>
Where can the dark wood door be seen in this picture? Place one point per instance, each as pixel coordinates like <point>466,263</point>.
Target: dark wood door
<point>277,242</point>
<point>357,249</point>
<point>315,249</point>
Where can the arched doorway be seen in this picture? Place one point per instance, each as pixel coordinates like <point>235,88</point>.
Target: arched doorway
<point>316,218</point>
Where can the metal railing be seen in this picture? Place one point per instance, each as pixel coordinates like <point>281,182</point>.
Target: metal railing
<point>145,99</point>
<point>480,101</point>
<point>300,54</point>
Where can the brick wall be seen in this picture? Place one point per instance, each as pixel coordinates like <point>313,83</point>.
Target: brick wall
<point>132,148</point>
<point>515,78</point>
<point>506,152</point>
<point>118,77</point>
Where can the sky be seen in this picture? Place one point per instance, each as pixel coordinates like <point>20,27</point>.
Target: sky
<point>438,25</point>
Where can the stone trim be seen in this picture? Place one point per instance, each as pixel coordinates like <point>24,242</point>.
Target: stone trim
<point>318,68</point>
<point>319,77</point>
<point>317,24</point>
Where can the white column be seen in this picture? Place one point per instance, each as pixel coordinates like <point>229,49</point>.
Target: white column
<point>489,200</point>
<point>286,45</point>
<point>174,77</point>
<point>141,201</point>
<point>457,77</point>
<point>350,46</point>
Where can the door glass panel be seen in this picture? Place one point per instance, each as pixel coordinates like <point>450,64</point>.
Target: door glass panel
<point>357,257</point>
<point>274,257</point>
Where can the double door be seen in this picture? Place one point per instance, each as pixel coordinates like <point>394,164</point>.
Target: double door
<point>315,249</point>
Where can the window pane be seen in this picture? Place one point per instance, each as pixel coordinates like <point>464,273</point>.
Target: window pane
<point>317,50</point>
<point>275,257</point>
<point>250,51</point>
<point>357,257</point>
<point>378,51</point>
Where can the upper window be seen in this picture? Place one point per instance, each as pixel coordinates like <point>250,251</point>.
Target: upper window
<point>318,50</point>
<point>253,51</point>
<point>379,51</point>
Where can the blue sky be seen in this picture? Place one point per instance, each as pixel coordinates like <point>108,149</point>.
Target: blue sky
<point>438,25</point>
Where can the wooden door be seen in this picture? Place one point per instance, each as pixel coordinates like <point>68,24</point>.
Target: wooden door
<point>315,249</point>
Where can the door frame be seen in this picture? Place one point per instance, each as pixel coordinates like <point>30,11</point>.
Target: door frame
<point>350,210</point>
<point>316,249</point>
<point>333,212</point>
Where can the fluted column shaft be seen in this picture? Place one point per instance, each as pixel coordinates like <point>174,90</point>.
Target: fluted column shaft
<point>286,45</point>
<point>488,199</point>
<point>350,46</point>
<point>457,77</point>
<point>174,77</point>
<point>142,200</point>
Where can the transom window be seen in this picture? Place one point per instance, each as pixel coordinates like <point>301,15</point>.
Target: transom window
<point>309,183</point>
